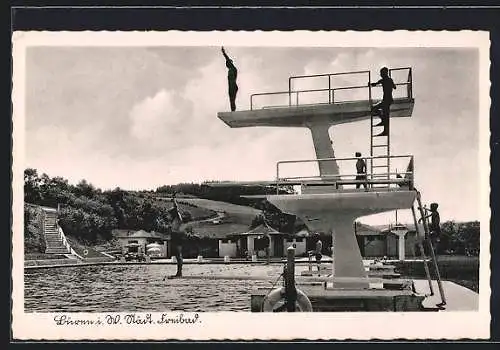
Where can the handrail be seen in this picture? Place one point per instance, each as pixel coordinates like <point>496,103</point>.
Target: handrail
<point>329,74</point>
<point>347,158</point>
<point>42,229</point>
<point>331,94</point>
<point>63,238</point>
<point>371,177</point>
<point>296,92</point>
<point>337,176</point>
<point>334,159</point>
<point>60,231</point>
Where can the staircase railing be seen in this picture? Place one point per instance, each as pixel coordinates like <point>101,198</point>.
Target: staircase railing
<point>63,236</point>
<point>64,241</point>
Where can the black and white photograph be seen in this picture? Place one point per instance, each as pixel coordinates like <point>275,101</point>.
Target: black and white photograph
<point>245,185</point>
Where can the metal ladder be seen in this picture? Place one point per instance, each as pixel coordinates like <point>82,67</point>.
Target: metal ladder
<point>379,146</point>
<point>427,239</point>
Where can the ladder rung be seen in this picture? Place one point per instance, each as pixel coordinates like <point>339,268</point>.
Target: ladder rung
<point>380,166</point>
<point>380,146</point>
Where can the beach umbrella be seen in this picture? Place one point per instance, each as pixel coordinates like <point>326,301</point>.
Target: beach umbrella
<point>151,245</point>
<point>133,245</point>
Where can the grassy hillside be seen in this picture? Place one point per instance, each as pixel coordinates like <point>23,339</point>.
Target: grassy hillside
<point>92,251</point>
<point>237,213</point>
<point>197,212</point>
<point>229,218</point>
<point>209,229</point>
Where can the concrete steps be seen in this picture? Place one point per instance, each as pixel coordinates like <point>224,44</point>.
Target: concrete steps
<point>53,240</point>
<point>57,251</point>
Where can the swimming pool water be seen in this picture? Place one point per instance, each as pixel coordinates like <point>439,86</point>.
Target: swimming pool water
<point>138,288</point>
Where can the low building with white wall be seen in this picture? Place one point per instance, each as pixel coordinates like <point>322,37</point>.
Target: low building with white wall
<point>394,241</point>
<point>137,241</point>
<point>299,243</point>
<point>253,242</point>
<point>228,247</point>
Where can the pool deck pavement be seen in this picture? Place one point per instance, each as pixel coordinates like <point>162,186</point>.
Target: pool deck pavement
<point>39,264</point>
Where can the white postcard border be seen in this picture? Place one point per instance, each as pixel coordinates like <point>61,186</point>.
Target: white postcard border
<point>240,325</point>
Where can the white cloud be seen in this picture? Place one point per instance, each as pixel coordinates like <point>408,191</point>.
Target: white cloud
<point>151,117</point>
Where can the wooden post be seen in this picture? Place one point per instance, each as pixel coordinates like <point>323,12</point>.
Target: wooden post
<point>290,291</point>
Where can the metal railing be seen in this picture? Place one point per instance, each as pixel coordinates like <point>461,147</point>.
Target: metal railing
<point>62,236</point>
<point>408,82</point>
<point>293,95</point>
<point>370,179</point>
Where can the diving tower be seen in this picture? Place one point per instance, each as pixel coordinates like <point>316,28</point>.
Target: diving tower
<point>333,105</point>
<point>331,201</point>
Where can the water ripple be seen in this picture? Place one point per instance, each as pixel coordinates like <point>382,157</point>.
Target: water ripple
<point>141,288</point>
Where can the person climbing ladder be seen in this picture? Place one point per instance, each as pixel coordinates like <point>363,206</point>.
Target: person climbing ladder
<point>232,74</point>
<point>383,108</point>
<point>434,226</point>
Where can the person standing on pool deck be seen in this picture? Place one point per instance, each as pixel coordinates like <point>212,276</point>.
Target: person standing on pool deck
<point>232,74</point>
<point>318,252</point>
<point>176,235</point>
<point>383,108</point>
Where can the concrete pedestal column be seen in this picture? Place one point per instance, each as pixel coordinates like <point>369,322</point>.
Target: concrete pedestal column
<point>250,247</point>
<point>324,148</point>
<point>335,213</point>
<point>401,244</point>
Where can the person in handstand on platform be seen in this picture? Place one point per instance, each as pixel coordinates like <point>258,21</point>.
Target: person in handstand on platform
<point>232,74</point>
<point>383,108</point>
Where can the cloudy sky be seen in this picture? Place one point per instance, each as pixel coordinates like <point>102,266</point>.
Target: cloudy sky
<point>139,118</point>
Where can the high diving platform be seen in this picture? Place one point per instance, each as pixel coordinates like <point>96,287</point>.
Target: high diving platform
<point>331,201</point>
<point>327,103</point>
<point>334,113</point>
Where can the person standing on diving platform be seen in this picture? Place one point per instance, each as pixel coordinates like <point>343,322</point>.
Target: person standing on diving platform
<point>232,74</point>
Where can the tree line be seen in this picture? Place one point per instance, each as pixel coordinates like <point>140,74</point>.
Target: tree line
<point>459,238</point>
<point>90,214</point>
